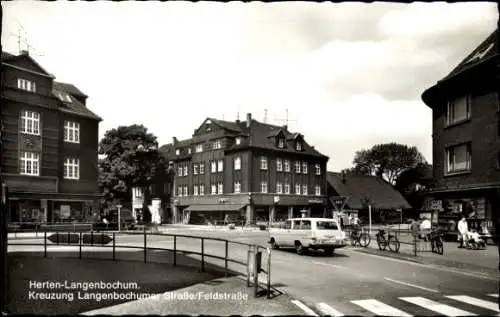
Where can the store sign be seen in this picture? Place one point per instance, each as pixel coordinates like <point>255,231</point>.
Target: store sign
<point>437,205</point>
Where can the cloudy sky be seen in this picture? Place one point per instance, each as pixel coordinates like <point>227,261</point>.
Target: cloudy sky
<point>350,74</point>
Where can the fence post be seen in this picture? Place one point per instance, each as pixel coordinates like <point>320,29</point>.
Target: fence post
<point>225,258</point>
<point>145,245</point>
<point>268,273</point>
<point>45,244</point>
<point>57,238</point>
<point>175,250</point>
<point>248,265</point>
<point>414,244</point>
<point>92,238</point>
<point>202,254</point>
<point>256,272</point>
<point>69,238</point>
<point>114,245</point>
<point>80,242</point>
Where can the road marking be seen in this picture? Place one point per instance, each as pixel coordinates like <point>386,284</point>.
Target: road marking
<point>306,309</point>
<point>441,309</point>
<point>435,267</point>
<point>476,302</point>
<point>493,295</point>
<point>328,310</point>
<point>328,264</point>
<point>379,308</point>
<point>411,285</point>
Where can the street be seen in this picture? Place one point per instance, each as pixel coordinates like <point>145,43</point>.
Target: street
<point>350,282</point>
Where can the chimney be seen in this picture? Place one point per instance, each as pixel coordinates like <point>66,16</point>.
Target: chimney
<point>285,127</point>
<point>344,177</point>
<point>25,53</point>
<point>174,139</point>
<point>249,119</point>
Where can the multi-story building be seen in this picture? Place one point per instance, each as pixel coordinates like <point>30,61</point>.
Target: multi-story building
<point>466,130</point>
<point>246,170</point>
<point>49,145</point>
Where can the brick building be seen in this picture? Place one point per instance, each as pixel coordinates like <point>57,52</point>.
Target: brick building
<point>246,170</point>
<point>49,145</point>
<point>466,130</point>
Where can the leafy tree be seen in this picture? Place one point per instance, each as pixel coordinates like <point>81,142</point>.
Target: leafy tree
<point>130,159</point>
<point>418,175</point>
<point>387,160</point>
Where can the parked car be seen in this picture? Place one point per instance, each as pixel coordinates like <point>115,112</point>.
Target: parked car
<point>110,221</point>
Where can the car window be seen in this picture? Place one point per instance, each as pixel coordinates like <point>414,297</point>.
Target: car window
<point>302,225</point>
<point>287,225</point>
<point>326,225</point>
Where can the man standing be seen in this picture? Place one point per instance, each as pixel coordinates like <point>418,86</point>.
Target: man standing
<point>463,229</point>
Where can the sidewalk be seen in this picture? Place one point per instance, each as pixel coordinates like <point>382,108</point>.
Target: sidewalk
<point>221,297</point>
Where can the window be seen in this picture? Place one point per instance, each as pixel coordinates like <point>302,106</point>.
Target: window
<point>237,163</point>
<point>298,146</point>
<point>179,191</point>
<point>297,189</point>
<point>27,85</point>
<point>30,163</point>
<point>302,224</point>
<point>30,122</point>
<point>179,170</point>
<point>458,110</point>
<point>287,188</point>
<point>217,144</point>
<point>189,150</point>
<point>196,168</point>
<point>220,187</point>
<point>185,190</point>
<point>213,167</point>
<point>71,132</point>
<point>287,225</point>
<point>202,168</point>
<point>237,187</point>
<point>279,188</point>
<point>263,163</point>
<point>199,148</point>
<point>202,190</point>
<point>214,189</point>
<point>304,167</point>
<point>287,166</point>
<point>326,225</point>
<point>238,141</point>
<point>177,152</point>
<point>263,187</point>
<point>281,143</point>
<point>317,190</point>
<point>317,169</point>
<point>304,189</point>
<point>185,170</point>
<point>195,190</point>
<point>297,167</point>
<point>63,96</point>
<point>72,168</point>
<point>220,165</point>
<point>459,158</point>
<point>279,165</point>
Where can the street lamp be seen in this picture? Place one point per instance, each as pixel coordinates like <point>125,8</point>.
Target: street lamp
<point>119,216</point>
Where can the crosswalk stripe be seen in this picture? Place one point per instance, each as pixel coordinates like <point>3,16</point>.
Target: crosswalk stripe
<point>379,308</point>
<point>439,308</point>
<point>328,310</point>
<point>306,309</point>
<point>476,302</point>
<point>493,295</point>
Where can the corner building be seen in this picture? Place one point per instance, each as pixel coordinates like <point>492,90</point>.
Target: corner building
<point>246,171</point>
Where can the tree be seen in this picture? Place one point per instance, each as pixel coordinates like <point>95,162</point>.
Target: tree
<point>418,175</point>
<point>130,159</point>
<point>387,160</point>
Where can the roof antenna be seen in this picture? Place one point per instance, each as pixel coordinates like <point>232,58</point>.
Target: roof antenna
<point>238,114</point>
<point>286,120</point>
<point>265,115</point>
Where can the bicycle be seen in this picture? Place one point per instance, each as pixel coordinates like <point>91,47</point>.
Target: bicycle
<point>361,237</point>
<point>391,241</point>
<point>436,240</point>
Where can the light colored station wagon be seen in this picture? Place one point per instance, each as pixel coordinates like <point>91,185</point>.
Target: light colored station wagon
<point>308,233</point>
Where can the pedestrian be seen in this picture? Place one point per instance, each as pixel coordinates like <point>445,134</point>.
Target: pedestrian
<point>341,223</point>
<point>463,229</point>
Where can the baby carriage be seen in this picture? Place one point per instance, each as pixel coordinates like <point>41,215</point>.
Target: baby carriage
<point>474,241</point>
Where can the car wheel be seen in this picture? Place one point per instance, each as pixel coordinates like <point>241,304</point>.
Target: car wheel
<point>300,248</point>
<point>273,244</point>
<point>329,251</point>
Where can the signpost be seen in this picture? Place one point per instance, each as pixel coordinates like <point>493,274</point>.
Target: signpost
<point>119,216</point>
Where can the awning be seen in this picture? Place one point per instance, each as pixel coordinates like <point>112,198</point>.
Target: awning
<point>222,207</point>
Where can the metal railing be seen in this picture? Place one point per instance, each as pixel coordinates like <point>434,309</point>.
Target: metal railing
<point>96,239</point>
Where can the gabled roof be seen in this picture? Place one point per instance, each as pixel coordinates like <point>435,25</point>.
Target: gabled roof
<point>228,125</point>
<point>274,133</point>
<point>75,106</point>
<point>360,188</point>
<point>6,56</point>
<point>484,51</point>
<point>11,57</point>
<point>69,88</point>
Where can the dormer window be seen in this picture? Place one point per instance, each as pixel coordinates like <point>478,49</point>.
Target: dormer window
<point>189,150</point>
<point>281,143</point>
<point>177,152</point>
<point>199,148</point>
<point>298,146</point>
<point>238,141</point>
<point>217,144</point>
<point>27,85</point>
<point>63,96</point>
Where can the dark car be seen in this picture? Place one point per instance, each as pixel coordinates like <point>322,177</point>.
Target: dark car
<point>110,220</point>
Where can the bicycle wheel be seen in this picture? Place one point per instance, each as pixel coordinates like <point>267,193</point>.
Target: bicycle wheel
<point>439,247</point>
<point>353,238</point>
<point>365,240</point>
<point>394,244</point>
<point>381,244</point>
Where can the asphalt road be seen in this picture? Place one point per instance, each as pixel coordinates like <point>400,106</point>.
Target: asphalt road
<point>351,283</point>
